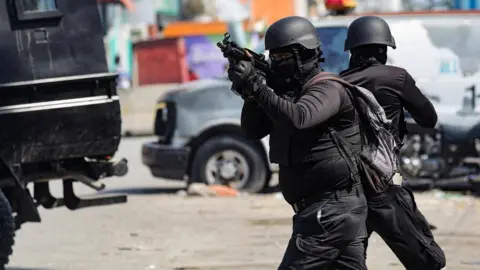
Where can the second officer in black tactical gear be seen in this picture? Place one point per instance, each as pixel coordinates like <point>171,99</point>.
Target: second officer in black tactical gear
<point>394,88</point>
<point>393,215</point>
<point>297,112</point>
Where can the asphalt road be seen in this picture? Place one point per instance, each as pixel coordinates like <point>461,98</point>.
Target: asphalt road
<point>158,229</point>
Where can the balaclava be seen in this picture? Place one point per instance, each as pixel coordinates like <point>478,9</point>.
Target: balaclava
<point>298,69</point>
<point>368,54</point>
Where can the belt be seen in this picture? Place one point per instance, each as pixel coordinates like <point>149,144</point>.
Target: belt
<point>303,203</point>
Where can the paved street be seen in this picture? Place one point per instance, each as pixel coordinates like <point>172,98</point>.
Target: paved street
<point>158,229</point>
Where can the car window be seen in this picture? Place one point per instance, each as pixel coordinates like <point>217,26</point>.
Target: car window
<point>333,40</point>
<point>36,10</point>
<point>39,5</point>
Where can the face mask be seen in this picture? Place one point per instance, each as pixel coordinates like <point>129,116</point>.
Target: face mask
<point>284,68</point>
<point>382,58</point>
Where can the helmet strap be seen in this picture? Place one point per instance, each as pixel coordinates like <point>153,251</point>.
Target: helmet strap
<point>298,60</point>
<point>306,67</point>
<point>320,55</point>
<point>367,55</point>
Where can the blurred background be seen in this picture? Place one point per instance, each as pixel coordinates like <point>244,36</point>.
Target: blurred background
<point>157,44</point>
<point>189,29</point>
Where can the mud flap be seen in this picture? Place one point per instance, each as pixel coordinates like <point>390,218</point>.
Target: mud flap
<point>27,209</point>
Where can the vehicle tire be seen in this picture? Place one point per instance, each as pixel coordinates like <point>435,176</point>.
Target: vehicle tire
<point>225,158</point>
<point>7,230</point>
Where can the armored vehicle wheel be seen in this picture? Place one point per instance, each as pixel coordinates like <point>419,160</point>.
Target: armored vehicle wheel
<point>7,230</point>
<point>230,160</point>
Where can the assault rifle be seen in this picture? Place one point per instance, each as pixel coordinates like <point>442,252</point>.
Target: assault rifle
<point>235,54</point>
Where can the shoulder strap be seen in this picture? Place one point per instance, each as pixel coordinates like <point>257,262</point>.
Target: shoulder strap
<point>327,76</point>
<point>338,139</point>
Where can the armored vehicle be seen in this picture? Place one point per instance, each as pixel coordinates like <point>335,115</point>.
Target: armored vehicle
<point>59,110</point>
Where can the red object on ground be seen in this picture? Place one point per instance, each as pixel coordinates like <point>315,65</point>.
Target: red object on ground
<point>224,191</point>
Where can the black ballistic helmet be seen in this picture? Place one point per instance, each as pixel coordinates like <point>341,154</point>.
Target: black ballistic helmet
<point>369,30</point>
<point>293,30</point>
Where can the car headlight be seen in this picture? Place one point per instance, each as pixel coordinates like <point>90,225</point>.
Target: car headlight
<point>161,105</point>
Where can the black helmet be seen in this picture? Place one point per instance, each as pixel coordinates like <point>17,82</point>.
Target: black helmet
<point>369,30</point>
<point>292,30</point>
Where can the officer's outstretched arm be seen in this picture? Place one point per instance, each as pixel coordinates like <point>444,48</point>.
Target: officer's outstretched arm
<point>417,104</point>
<point>320,102</point>
<point>254,122</point>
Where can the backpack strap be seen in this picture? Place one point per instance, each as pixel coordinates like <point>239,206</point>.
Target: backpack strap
<point>327,76</point>
<point>340,141</point>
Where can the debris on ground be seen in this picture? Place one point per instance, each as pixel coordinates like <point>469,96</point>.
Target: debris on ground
<point>451,196</point>
<point>182,193</point>
<point>475,262</point>
<point>198,189</point>
<point>203,190</point>
<point>279,196</point>
<point>224,191</point>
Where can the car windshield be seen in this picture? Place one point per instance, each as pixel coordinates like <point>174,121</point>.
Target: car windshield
<point>333,40</point>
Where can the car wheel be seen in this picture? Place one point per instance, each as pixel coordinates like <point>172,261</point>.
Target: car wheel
<point>230,160</point>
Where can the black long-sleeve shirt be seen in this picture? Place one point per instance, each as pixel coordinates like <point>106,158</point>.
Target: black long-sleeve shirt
<point>313,108</point>
<point>395,89</point>
<point>255,123</point>
<point>299,137</point>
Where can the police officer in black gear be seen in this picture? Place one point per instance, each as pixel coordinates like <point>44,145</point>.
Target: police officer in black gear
<point>402,226</point>
<point>394,88</point>
<point>297,112</point>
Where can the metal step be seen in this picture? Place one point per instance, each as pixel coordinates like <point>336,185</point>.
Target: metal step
<point>44,198</point>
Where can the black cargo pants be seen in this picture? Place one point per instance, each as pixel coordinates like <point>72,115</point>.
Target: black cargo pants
<point>329,233</point>
<point>395,217</point>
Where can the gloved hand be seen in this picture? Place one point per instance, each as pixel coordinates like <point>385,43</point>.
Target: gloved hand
<point>245,77</point>
<point>242,75</point>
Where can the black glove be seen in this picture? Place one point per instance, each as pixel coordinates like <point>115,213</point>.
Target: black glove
<point>245,77</point>
<point>241,73</point>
